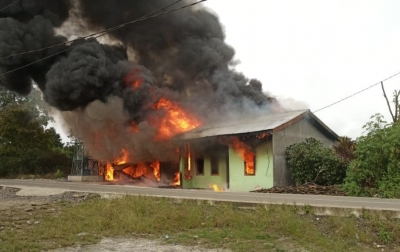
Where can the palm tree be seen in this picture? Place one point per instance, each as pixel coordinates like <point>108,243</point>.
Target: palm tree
<point>345,149</point>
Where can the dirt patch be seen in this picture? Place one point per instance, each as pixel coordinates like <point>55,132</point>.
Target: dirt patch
<point>9,198</point>
<point>134,244</point>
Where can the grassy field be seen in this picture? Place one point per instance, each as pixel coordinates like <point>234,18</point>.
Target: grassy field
<point>277,228</point>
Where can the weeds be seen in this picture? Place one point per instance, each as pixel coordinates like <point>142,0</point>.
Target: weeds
<point>219,226</point>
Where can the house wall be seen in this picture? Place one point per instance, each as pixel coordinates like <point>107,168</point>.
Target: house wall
<point>292,134</point>
<point>204,181</point>
<point>263,178</point>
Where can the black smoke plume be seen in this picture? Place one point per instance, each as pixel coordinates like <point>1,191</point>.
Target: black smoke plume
<point>181,55</point>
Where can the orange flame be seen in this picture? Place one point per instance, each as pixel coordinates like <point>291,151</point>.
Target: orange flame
<point>109,172</point>
<point>134,128</point>
<point>133,79</point>
<point>246,154</point>
<point>136,84</point>
<point>216,188</point>
<point>123,158</point>
<point>261,136</point>
<point>177,179</point>
<point>156,170</point>
<point>189,160</point>
<point>175,121</point>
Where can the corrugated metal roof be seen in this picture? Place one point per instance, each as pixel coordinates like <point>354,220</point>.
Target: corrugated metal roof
<point>245,124</point>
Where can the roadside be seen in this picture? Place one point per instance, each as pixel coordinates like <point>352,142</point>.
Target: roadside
<point>71,221</point>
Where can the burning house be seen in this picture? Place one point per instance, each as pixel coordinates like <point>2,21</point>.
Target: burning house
<point>249,152</point>
<point>131,94</point>
<point>239,154</point>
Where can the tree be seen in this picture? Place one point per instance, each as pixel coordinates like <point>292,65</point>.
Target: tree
<point>396,94</point>
<point>27,146</point>
<point>345,149</point>
<point>310,161</point>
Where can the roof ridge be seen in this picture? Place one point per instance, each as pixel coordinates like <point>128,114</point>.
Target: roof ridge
<point>243,123</point>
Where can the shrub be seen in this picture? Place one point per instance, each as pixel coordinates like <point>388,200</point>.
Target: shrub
<point>59,174</point>
<point>310,161</point>
<point>376,167</point>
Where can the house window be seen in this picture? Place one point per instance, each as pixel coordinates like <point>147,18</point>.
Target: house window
<point>250,166</point>
<point>214,166</point>
<point>200,166</point>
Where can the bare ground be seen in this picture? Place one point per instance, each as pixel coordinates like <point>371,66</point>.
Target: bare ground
<point>136,244</point>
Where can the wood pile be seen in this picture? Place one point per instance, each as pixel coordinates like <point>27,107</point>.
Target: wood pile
<point>309,188</point>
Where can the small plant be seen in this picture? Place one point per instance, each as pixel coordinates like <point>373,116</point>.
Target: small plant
<point>307,209</point>
<point>59,174</point>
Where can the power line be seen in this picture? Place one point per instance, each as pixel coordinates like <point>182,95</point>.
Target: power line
<point>148,16</point>
<point>87,36</point>
<point>9,5</point>
<point>330,105</point>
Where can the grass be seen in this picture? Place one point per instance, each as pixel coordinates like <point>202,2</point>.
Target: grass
<point>277,228</point>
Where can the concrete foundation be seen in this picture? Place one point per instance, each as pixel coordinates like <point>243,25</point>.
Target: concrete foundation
<point>74,178</point>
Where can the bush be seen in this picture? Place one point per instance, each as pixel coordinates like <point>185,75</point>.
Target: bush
<point>59,174</point>
<point>310,161</point>
<point>376,167</point>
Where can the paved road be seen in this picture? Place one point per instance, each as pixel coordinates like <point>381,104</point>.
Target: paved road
<point>312,200</point>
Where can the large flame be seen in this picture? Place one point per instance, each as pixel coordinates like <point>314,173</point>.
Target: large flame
<point>175,121</point>
<point>109,172</point>
<point>216,188</point>
<point>123,159</point>
<point>246,154</point>
<point>156,170</point>
<point>177,179</point>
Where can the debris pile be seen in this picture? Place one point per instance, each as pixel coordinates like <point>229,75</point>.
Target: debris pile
<point>309,188</point>
<point>171,187</point>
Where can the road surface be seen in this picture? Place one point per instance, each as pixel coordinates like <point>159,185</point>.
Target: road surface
<point>263,198</point>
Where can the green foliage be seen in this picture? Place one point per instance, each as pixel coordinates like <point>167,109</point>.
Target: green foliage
<point>310,161</point>
<point>376,167</point>
<point>59,174</point>
<point>345,149</point>
<point>27,145</point>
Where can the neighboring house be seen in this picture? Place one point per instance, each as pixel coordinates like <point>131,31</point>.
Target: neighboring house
<point>214,153</point>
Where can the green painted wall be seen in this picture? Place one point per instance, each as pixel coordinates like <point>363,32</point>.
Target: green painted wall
<point>238,182</point>
<point>204,181</point>
<point>186,184</point>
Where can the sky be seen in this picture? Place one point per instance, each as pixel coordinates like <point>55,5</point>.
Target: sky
<point>317,52</point>
<point>312,53</point>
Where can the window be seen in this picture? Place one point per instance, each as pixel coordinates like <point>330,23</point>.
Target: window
<point>250,166</point>
<point>200,166</point>
<point>214,166</point>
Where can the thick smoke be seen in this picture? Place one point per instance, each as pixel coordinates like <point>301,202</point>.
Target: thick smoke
<point>26,26</point>
<point>105,93</point>
<point>184,50</point>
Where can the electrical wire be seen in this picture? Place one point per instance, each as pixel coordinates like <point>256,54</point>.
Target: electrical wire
<point>148,16</point>
<point>330,105</point>
<point>87,36</point>
<point>9,5</point>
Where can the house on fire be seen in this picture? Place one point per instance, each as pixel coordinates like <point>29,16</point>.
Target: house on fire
<point>247,153</point>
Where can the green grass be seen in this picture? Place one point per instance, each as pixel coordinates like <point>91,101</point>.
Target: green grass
<point>277,228</point>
